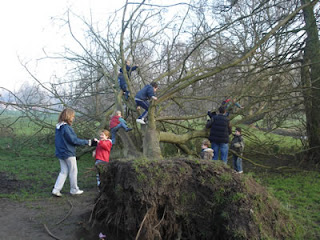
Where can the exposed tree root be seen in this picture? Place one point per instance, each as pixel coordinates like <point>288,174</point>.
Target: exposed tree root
<point>67,213</point>
<point>50,233</point>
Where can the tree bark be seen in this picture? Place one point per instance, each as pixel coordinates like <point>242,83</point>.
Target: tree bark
<point>151,138</point>
<point>311,76</point>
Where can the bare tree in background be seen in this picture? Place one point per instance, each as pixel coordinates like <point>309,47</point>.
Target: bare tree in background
<point>199,53</point>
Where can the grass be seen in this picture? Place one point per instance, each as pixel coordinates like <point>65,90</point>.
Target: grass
<point>28,159</point>
<point>299,192</point>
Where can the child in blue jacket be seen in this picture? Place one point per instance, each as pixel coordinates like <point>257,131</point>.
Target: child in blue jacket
<point>142,99</point>
<point>66,141</point>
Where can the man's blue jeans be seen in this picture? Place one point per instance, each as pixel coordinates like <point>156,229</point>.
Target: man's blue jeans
<point>223,148</point>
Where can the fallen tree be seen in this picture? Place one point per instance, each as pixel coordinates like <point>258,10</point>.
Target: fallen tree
<point>186,199</point>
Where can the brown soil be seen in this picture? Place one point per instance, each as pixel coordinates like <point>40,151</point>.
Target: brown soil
<point>63,217</point>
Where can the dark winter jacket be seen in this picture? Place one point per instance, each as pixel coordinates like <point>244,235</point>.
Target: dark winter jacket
<point>129,70</point>
<point>220,129</point>
<point>145,93</point>
<point>237,144</point>
<point>66,141</point>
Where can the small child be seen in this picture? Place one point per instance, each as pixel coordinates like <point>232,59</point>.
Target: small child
<point>237,145</point>
<point>103,149</point>
<point>117,122</point>
<point>206,152</point>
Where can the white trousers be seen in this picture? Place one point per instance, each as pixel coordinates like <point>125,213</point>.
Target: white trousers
<point>68,166</point>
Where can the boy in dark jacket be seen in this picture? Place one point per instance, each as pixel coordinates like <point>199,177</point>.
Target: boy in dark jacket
<point>142,99</point>
<point>237,145</point>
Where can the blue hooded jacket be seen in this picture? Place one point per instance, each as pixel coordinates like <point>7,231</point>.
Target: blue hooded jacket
<point>145,93</point>
<point>66,141</point>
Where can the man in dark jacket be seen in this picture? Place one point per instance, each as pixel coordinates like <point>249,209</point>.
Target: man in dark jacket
<point>220,129</point>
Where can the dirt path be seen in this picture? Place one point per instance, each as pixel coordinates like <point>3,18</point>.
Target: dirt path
<point>26,220</point>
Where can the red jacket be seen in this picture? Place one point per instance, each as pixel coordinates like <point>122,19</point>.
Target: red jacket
<point>114,121</point>
<point>103,150</point>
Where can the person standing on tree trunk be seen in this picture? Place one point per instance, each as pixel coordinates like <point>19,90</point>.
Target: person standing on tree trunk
<point>121,80</point>
<point>142,99</point>
<point>220,129</point>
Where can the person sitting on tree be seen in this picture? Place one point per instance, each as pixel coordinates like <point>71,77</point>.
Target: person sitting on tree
<point>117,122</point>
<point>228,104</point>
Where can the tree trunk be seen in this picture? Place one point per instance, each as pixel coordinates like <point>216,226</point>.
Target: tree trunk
<point>129,149</point>
<point>311,75</point>
<point>151,138</point>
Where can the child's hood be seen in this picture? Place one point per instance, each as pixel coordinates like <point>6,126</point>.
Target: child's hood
<point>60,124</point>
<point>208,150</point>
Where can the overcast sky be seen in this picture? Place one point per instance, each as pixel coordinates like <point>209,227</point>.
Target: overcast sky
<point>26,28</point>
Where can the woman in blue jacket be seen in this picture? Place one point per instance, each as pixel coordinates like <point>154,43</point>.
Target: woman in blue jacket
<point>65,141</point>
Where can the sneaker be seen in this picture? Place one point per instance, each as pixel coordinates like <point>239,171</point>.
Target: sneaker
<point>140,121</point>
<point>240,172</point>
<point>76,192</point>
<point>56,193</point>
<point>128,129</point>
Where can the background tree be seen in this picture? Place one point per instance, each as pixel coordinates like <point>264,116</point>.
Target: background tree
<point>199,53</point>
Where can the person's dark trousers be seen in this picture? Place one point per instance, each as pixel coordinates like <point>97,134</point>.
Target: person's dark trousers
<point>123,87</point>
<point>145,106</point>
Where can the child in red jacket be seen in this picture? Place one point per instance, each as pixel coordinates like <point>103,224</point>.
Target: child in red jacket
<point>103,150</point>
<point>117,122</point>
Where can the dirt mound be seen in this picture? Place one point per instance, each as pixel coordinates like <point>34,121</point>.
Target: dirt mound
<point>186,199</point>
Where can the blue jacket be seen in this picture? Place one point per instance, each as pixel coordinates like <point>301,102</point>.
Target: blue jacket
<point>66,141</point>
<point>145,93</point>
<point>129,69</point>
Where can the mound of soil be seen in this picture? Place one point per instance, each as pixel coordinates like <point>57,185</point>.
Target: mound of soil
<point>185,199</point>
